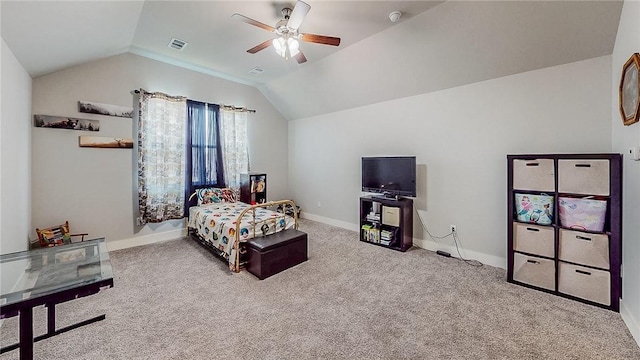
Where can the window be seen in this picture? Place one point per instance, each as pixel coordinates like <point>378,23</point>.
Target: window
<point>184,145</point>
<point>205,153</point>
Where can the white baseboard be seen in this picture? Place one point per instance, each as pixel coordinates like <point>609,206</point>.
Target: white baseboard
<point>423,244</point>
<point>329,221</point>
<point>146,239</point>
<point>630,321</point>
<point>487,259</point>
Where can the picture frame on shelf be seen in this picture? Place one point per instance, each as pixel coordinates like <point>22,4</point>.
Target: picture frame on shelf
<point>92,107</point>
<point>629,95</point>
<point>105,142</point>
<point>63,122</point>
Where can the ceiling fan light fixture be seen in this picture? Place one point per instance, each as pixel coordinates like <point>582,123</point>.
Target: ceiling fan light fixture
<point>281,46</point>
<point>293,46</point>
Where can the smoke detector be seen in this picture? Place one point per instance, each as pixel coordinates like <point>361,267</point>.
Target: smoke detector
<point>395,16</point>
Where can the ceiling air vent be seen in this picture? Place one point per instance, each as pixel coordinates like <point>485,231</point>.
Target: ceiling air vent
<point>255,71</point>
<point>177,44</point>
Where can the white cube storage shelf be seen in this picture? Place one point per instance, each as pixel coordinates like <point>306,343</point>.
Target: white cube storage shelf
<point>574,263</point>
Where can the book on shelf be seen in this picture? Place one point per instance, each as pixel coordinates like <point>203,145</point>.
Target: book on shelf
<point>366,229</point>
<point>374,235</point>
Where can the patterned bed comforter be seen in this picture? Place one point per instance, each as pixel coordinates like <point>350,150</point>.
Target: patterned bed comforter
<point>216,224</point>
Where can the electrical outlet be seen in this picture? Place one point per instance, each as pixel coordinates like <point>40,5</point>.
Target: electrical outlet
<point>453,228</point>
<point>319,204</point>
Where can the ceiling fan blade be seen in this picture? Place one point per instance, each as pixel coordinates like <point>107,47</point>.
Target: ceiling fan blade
<point>320,39</point>
<point>300,58</point>
<point>253,22</point>
<point>261,46</point>
<point>298,14</point>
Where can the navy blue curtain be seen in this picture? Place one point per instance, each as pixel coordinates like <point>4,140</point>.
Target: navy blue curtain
<point>204,152</point>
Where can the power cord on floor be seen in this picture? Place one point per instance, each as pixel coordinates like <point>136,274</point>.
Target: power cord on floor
<point>454,234</point>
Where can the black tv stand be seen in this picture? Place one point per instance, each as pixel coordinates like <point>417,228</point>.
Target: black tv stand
<point>387,222</point>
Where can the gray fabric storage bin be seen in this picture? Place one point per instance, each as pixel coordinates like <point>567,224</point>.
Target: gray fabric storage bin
<point>585,283</point>
<point>590,177</point>
<point>534,239</point>
<point>535,174</point>
<point>584,248</point>
<point>534,271</point>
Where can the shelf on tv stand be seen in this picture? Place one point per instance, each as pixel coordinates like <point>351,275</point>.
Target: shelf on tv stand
<point>386,197</point>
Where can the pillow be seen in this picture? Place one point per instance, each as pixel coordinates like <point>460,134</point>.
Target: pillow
<point>228,195</point>
<point>215,195</point>
<point>206,196</point>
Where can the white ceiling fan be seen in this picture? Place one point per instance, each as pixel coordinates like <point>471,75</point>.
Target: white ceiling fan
<point>286,43</point>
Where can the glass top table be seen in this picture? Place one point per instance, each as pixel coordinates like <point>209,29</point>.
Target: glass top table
<point>49,276</point>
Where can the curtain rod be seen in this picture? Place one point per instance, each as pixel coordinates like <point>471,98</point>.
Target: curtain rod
<point>227,107</point>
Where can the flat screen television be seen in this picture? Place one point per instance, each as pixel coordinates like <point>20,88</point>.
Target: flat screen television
<point>393,176</point>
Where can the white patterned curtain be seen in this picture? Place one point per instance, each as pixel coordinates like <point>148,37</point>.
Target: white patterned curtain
<point>161,157</point>
<point>235,146</point>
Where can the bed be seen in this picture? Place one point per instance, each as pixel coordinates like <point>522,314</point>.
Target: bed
<point>213,221</point>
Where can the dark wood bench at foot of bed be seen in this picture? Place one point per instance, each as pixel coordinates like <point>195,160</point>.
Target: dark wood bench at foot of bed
<point>272,254</point>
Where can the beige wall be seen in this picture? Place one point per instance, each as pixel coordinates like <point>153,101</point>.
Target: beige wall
<point>15,194</point>
<point>625,137</point>
<point>94,188</point>
<point>15,134</point>
<point>461,137</point>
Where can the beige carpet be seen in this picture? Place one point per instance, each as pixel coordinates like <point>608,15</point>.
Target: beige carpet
<point>351,300</point>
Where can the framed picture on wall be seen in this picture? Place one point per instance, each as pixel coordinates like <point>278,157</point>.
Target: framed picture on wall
<point>105,142</point>
<point>630,90</point>
<point>105,109</point>
<point>61,122</point>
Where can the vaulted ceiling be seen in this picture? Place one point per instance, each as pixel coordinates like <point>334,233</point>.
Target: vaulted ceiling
<point>436,45</point>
